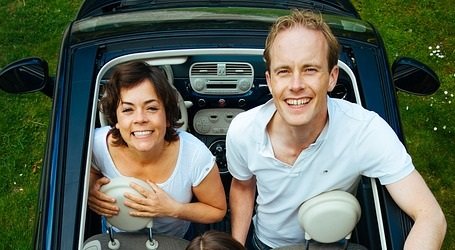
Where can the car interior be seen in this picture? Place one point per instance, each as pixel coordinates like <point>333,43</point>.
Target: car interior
<point>215,85</point>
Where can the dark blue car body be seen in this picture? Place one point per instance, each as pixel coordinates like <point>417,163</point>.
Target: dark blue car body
<point>184,34</point>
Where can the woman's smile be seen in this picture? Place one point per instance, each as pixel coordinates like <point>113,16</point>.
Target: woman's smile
<point>142,133</point>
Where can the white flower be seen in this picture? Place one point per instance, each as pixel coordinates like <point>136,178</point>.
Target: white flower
<point>435,128</point>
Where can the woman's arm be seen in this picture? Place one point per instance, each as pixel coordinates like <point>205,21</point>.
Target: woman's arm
<point>211,204</point>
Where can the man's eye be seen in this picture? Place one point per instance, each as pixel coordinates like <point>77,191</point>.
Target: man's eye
<point>311,70</point>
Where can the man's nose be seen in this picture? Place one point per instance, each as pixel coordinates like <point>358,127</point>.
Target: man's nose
<point>297,82</point>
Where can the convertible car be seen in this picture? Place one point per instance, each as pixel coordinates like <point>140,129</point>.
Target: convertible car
<point>211,52</point>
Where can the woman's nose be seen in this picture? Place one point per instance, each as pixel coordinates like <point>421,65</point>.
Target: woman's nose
<point>141,116</point>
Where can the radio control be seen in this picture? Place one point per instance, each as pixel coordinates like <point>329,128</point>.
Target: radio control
<point>221,78</point>
<point>214,121</point>
<point>244,85</point>
<point>198,84</point>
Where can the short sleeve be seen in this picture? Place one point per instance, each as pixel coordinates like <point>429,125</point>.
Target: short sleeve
<point>386,157</point>
<point>236,149</point>
<point>196,158</point>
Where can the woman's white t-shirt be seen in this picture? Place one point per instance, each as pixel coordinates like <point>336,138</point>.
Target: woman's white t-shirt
<point>193,164</point>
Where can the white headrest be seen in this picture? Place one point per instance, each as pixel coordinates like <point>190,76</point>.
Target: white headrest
<point>329,217</point>
<point>116,188</point>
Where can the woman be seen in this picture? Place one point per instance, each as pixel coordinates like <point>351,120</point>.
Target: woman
<point>142,141</point>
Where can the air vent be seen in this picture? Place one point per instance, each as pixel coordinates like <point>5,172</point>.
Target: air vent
<point>205,69</point>
<point>238,69</point>
<point>225,78</point>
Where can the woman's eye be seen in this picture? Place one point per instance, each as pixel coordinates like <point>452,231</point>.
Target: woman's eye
<point>126,110</point>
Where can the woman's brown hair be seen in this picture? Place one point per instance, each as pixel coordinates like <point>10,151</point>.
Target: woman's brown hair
<point>215,240</point>
<point>129,75</point>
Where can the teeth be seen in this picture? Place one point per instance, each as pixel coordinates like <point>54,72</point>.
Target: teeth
<point>298,101</point>
<point>142,133</point>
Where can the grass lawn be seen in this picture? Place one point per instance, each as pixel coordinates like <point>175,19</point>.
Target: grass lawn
<point>28,28</point>
<point>420,29</point>
<point>425,30</point>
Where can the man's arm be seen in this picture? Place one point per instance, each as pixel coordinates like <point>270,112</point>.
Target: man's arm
<point>241,201</point>
<point>414,197</point>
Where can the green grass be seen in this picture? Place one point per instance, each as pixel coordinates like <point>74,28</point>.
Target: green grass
<point>28,28</point>
<point>409,28</point>
<point>35,28</point>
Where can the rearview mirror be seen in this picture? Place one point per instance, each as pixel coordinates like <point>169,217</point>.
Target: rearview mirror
<point>24,76</point>
<point>414,77</point>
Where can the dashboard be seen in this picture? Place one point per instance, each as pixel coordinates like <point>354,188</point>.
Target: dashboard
<point>215,86</point>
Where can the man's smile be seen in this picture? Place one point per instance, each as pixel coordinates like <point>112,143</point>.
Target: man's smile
<point>298,102</point>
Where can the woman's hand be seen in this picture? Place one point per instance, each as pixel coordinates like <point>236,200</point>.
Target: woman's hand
<point>99,202</point>
<point>210,206</point>
<point>154,202</point>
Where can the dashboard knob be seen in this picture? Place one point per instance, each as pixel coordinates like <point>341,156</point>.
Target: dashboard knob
<point>199,84</point>
<point>241,102</point>
<point>201,102</point>
<point>244,85</point>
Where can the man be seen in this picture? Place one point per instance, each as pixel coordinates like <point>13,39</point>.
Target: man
<point>292,155</point>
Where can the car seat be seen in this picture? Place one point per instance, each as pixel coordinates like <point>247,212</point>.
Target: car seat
<point>133,235</point>
<point>328,220</point>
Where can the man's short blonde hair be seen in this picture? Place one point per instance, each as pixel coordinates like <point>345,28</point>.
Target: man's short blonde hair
<point>309,20</point>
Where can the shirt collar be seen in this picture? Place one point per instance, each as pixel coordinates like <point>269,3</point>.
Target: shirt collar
<point>265,114</point>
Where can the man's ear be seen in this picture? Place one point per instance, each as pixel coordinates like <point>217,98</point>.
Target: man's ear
<point>267,78</point>
<point>333,77</point>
